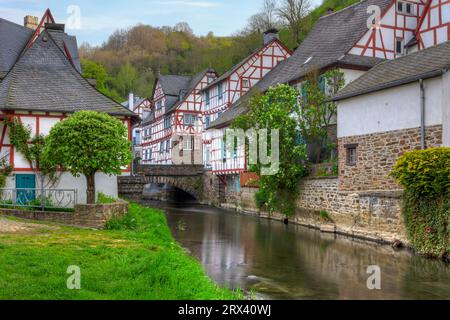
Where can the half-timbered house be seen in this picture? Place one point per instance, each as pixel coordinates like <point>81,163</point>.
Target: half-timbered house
<point>41,84</point>
<point>226,91</point>
<point>172,133</point>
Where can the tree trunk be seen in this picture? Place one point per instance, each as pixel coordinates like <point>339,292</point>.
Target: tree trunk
<point>90,188</point>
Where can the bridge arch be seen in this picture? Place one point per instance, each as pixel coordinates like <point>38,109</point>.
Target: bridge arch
<point>188,178</point>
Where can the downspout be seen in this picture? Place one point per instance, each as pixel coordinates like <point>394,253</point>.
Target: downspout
<point>422,115</point>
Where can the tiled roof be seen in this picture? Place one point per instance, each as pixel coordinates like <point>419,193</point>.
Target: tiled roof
<point>174,87</point>
<point>13,39</point>
<point>422,64</point>
<point>43,79</point>
<point>326,45</point>
<point>62,39</point>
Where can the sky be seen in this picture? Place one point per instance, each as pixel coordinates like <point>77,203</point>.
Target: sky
<point>93,21</point>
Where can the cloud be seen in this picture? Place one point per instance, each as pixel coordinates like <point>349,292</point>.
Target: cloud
<point>190,3</point>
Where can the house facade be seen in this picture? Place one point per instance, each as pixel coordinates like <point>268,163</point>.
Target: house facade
<point>402,111</point>
<point>221,97</point>
<point>172,132</point>
<point>41,84</point>
<point>326,47</point>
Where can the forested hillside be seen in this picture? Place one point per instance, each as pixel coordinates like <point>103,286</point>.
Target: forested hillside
<point>130,59</point>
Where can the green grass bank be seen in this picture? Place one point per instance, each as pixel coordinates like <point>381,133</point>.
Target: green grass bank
<point>135,258</point>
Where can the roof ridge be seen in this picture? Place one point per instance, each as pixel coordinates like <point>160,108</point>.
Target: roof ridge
<point>15,24</point>
<point>343,9</point>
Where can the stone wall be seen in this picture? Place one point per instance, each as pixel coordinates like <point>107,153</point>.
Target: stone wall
<point>369,215</point>
<point>85,215</point>
<point>377,155</point>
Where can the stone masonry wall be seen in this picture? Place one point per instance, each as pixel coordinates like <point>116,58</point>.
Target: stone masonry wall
<point>377,155</point>
<point>370,215</point>
<point>87,215</point>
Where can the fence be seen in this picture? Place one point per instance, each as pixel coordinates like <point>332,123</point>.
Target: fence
<point>39,199</point>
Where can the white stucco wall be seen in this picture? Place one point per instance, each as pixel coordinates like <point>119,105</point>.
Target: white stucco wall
<point>446,109</point>
<point>351,75</point>
<point>391,109</point>
<point>104,183</point>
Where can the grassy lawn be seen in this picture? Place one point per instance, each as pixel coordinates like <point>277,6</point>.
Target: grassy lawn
<point>137,258</point>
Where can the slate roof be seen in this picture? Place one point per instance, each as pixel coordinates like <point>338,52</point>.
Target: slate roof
<point>62,38</point>
<point>174,87</point>
<point>43,79</point>
<point>424,64</point>
<point>13,39</point>
<point>326,45</point>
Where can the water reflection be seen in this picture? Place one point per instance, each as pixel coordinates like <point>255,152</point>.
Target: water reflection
<point>291,262</point>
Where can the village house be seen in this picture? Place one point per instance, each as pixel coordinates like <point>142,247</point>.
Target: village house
<point>141,107</point>
<point>327,46</point>
<point>416,96</point>
<point>172,132</point>
<point>219,98</point>
<point>41,84</point>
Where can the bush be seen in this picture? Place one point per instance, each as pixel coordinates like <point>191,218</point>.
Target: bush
<point>104,199</point>
<point>425,172</point>
<point>425,175</point>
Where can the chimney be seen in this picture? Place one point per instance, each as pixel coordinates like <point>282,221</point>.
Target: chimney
<point>270,35</point>
<point>31,22</point>
<point>131,101</point>
<point>55,27</point>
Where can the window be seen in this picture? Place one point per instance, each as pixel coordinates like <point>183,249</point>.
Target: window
<point>399,46</point>
<point>220,89</point>
<point>187,143</point>
<point>149,154</point>
<point>322,83</point>
<point>231,184</point>
<point>168,146</point>
<point>352,154</point>
<point>161,147</point>
<point>207,121</point>
<point>167,123</point>
<point>238,184</point>
<point>159,105</point>
<point>245,83</point>
<point>224,149</point>
<point>190,120</point>
<point>405,8</point>
<point>207,98</point>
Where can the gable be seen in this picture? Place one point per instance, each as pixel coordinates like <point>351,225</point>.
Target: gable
<point>381,41</point>
<point>434,24</point>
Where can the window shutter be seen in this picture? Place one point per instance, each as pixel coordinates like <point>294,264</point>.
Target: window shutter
<point>322,84</point>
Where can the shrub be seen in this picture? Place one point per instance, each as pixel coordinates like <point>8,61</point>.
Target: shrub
<point>425,172</point>
<point>425,175</point>
<point>104,199</point>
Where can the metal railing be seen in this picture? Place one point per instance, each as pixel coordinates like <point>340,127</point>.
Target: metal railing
<point>39,199</point>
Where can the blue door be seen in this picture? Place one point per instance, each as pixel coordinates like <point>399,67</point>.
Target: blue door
<point>25,181</point>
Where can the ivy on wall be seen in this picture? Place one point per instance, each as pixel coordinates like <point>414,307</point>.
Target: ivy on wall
<point>32,150</point>
<point>425,175</point>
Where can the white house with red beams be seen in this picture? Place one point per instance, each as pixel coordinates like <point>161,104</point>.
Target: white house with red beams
<point>41,84</point>
<point>394,32</point>
<point>172,133</point>
<point>434,24</point>
<point>225,91</point>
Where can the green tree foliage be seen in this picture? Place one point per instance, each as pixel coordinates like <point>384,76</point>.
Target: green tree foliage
<point>176,50</point>
<point>425,175</point>
<point>89,142</point>
<point>276,110</point>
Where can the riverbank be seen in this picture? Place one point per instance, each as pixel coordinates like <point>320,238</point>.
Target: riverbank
<point>136,258</point>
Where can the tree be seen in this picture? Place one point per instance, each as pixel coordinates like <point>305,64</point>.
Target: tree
<point>271,111</point>
<point>264,20</point>
<point>88,142</point>
<point>316,111</point>
<point>294,12</point>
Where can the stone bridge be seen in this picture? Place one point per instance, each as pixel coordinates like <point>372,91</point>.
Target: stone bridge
<point>188,178</point>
